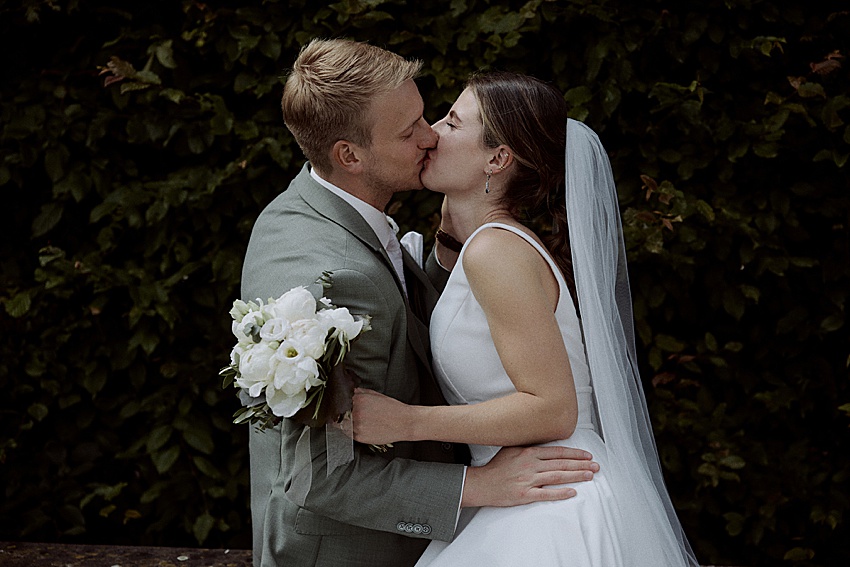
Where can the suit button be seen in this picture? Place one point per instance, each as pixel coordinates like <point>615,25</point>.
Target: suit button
<point>411,528</point>
<point>446,447</point>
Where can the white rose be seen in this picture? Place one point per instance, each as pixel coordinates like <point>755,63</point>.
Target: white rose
<point>274,329</point>
<point>256,368</point>
<point>294,305</point>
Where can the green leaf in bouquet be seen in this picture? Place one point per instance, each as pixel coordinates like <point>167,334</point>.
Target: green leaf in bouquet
<point>228,373</point>
<point>326,280</point>
<point>258,416</point>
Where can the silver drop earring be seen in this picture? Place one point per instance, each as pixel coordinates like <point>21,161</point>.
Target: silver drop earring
<point>487,184</point>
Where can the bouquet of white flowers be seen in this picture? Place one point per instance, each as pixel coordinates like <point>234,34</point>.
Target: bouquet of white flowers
<point>287,361</point>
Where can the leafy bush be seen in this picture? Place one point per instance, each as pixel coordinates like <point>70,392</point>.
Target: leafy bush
<point>139,145</point>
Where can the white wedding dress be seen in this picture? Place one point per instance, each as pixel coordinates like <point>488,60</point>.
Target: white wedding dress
<point>584,531</point>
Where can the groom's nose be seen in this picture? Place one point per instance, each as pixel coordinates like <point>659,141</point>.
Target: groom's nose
<point>433,138</point>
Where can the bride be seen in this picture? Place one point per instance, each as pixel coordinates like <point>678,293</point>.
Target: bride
<point>514,359</point>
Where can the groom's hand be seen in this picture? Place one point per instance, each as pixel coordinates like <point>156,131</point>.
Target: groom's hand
<point>520,475</point>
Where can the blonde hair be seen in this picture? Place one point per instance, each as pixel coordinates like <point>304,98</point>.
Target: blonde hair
<point>329,91</point>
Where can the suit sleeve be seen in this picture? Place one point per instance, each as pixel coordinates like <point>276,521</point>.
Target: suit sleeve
<point>375,491</point>
<point>436,273</point>
<point>291,245</point>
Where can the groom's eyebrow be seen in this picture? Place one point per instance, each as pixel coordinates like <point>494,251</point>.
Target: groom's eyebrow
<point>409,128</point>
<point>416,120</point>
<point>414,123</point>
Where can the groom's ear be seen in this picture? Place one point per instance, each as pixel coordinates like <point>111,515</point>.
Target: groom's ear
<point>348,156</point>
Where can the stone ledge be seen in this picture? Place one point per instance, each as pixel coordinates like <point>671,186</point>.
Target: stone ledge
<point>19,554</point>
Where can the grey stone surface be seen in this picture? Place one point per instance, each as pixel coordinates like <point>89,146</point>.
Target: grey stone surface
<point>18,554</point>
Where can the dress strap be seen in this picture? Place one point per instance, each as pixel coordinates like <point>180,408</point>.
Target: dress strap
<point>562,283</point>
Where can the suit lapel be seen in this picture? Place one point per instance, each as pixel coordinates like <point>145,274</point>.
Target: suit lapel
<point>336,210</point>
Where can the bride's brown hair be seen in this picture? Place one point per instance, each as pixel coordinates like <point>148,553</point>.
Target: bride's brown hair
<point>530,117</point>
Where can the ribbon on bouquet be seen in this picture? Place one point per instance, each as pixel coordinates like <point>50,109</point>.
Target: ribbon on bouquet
<point>339,441</point>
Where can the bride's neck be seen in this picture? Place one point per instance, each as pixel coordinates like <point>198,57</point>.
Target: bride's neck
<point>468,215</point>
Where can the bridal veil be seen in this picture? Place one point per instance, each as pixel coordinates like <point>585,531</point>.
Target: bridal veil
<point>602,282</point>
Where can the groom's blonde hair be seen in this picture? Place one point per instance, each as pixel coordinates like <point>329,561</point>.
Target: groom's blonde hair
<point>329,91</point>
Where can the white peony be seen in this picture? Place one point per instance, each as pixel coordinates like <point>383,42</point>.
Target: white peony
<point>294,375</point>
<point>294,305</point>
<point>342,321</point>
<point>294,368</point>
<point>239,350</point>
<point>256,368</point>
<point>283,404</point>
<point>308,336</point>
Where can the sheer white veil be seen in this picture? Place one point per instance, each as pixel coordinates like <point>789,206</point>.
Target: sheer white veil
<point>654,535</point>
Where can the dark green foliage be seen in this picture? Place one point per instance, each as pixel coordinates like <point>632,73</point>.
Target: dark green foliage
<point>130,204</point>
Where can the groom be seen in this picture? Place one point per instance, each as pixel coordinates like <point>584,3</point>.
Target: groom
<point>357,115</point>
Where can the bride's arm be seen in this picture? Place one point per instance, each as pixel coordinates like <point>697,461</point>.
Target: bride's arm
<point>506,278</point>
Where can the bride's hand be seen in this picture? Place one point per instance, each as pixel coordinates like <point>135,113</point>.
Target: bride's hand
<point>378,419</point>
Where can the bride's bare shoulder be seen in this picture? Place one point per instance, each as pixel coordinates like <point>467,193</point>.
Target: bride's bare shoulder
<point>495,253</point>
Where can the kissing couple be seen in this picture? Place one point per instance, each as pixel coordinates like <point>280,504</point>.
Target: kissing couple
<point>501,369</point>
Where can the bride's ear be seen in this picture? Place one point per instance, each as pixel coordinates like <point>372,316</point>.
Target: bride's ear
<point>501,160</point>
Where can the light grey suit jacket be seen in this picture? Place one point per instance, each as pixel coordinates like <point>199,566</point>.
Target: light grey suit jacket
<point>379,510</point>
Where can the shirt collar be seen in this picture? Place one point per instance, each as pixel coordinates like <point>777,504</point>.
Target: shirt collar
<point>375,218</point>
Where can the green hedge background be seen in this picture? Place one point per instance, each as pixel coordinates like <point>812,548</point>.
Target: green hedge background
<point>141,140</point>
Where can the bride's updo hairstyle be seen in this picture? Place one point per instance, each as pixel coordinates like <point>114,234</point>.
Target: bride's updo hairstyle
<point>530,117</point>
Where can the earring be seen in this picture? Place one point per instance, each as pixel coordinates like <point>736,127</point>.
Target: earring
<point>487,184</point>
